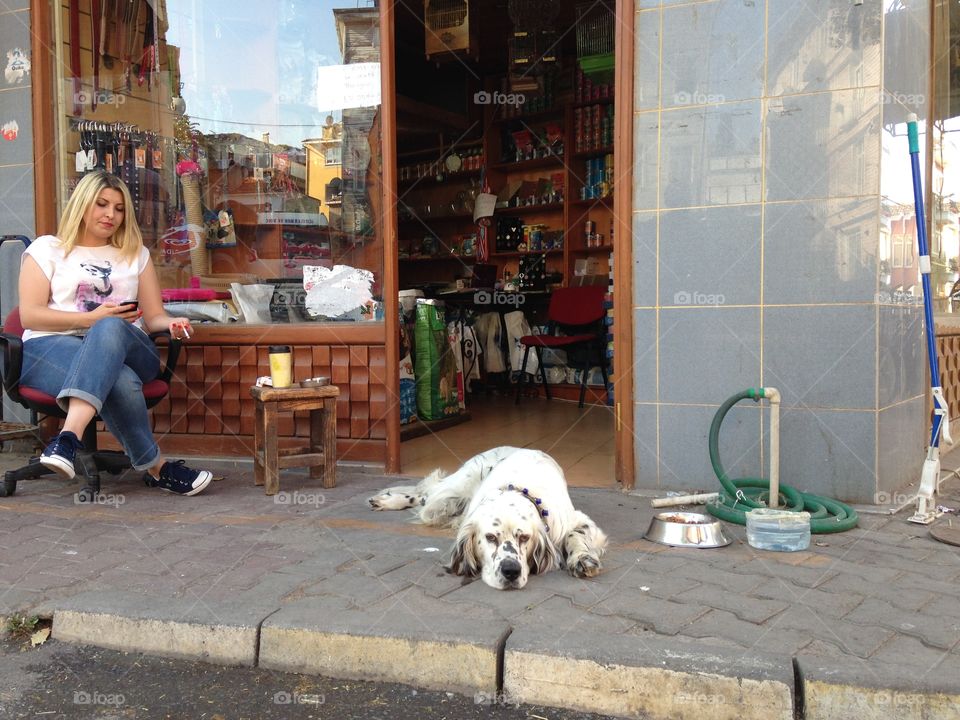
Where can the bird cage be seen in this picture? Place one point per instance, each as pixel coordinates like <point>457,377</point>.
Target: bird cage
<point>534,44</point>
<point>595,37</point>
<point>447,28</point>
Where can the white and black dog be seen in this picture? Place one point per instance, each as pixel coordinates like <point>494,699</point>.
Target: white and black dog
<point>514,517</point>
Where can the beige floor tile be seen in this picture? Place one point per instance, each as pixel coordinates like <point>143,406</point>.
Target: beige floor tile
<point>581,440</point>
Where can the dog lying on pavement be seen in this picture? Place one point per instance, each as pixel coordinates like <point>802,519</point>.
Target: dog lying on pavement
<point>513,514</point>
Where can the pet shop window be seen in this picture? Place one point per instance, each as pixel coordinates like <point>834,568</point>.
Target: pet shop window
<point>249,135</point>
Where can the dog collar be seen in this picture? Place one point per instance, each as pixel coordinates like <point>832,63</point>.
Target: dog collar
<point>537,503</point>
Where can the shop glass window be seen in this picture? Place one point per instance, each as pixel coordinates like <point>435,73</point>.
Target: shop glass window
<point>249,134</point>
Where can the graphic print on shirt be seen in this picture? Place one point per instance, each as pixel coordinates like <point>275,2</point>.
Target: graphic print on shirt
<point>89,296</point>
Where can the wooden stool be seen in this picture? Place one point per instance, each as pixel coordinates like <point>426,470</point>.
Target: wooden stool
<point>320,456</point>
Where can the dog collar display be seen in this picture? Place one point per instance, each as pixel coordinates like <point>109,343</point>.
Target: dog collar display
<point>537,503</point>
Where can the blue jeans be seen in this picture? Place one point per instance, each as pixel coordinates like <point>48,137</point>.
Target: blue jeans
<point>107,368</point>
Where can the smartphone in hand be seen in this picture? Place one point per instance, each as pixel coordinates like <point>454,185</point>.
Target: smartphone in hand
<point>131,304</point>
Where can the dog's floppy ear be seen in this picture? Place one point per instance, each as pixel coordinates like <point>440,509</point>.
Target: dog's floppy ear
<point>543,556</point>
<point>463,557</point>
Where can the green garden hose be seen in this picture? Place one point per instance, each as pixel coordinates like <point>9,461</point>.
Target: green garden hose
<point>743,494</point>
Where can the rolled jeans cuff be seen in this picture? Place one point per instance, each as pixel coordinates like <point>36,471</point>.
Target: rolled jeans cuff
<point>66,393</point>
<point>148,465</point>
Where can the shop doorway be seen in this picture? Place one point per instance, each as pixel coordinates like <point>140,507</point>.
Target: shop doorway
<point>506,168</point>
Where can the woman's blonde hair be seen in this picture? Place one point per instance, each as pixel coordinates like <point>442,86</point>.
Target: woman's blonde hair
<point>127,236</point>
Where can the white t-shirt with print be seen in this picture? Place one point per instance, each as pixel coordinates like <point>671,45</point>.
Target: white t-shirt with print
<point>85,278</point>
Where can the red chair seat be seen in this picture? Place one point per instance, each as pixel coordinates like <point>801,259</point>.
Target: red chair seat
<point>553,341</point>
<point>36,396</point>
<point>153,390</point>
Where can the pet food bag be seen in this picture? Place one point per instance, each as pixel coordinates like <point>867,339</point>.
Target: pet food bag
<point>435,364</point>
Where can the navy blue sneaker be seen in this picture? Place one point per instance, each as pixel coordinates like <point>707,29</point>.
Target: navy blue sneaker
<point>60,454</point>
<point>178,478</point>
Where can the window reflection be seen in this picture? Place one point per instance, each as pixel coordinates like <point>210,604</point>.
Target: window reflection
<point>249,133</point>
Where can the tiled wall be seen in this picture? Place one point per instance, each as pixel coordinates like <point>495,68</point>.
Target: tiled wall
<point>210,410</point>
<point>16,155</point>
<point>759,160</point>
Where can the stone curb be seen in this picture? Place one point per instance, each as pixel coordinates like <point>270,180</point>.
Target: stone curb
<point>835,690</point>
<point>621,675</point>
<point>648,677</point>
<point>169,627</point>
<point>316,636</point>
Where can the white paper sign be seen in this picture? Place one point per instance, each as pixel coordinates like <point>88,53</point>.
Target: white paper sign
<point>484,205</point>
<point>348,86</point>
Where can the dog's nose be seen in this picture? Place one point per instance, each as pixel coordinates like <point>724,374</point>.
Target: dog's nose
<point>510,569</point>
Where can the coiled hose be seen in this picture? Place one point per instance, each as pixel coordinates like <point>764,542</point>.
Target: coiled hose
<point>743,494</point>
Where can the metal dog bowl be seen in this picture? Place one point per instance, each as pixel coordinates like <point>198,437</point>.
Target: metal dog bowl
<point>686,529</point>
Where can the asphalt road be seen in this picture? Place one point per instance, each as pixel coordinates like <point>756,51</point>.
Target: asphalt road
<point>57,680</point>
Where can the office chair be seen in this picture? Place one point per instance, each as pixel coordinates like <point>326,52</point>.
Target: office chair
<point>90,461</point>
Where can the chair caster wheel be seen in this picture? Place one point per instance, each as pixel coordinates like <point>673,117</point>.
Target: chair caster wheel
<point>9,486</point>
<point>86,495</point>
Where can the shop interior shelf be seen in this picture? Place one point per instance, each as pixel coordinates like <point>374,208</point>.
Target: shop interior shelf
<point>523,254</point>
<point>535,164</point>
<point>604,150</point>
<point>528,209</point>
<point>606,200</point>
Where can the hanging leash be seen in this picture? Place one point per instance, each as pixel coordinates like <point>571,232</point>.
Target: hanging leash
<point>95,19</point>
<point>75,70</point>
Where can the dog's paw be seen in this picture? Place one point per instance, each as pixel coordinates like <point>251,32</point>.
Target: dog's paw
<point>392,501</point>
<point>586,566</point>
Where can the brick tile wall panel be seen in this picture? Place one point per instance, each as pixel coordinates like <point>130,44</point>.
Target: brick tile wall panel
<point>359,421</point>
<point>321,359</point>
<point>359,377</point>
<point>230,360</point>
<point>340,365</point>
<point>378,365</point>
<point>285,425</point>
<point>302,364</point>
<point>178,415</point>
<point>210,393</point>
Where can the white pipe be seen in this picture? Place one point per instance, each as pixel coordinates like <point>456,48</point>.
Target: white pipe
<point>773,396</point>
<point>698,499</point>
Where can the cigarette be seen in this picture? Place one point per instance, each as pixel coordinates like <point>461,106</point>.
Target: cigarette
<point>185,333</point>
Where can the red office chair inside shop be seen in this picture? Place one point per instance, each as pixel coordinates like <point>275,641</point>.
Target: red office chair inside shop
<point>580,312</point>
<point>90,460</point>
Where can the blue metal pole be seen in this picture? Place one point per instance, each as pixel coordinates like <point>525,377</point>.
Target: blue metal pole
<point>914,141</point>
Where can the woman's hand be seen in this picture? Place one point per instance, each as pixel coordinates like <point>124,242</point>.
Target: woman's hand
<point>130,313</point>
<point>180,328</point>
